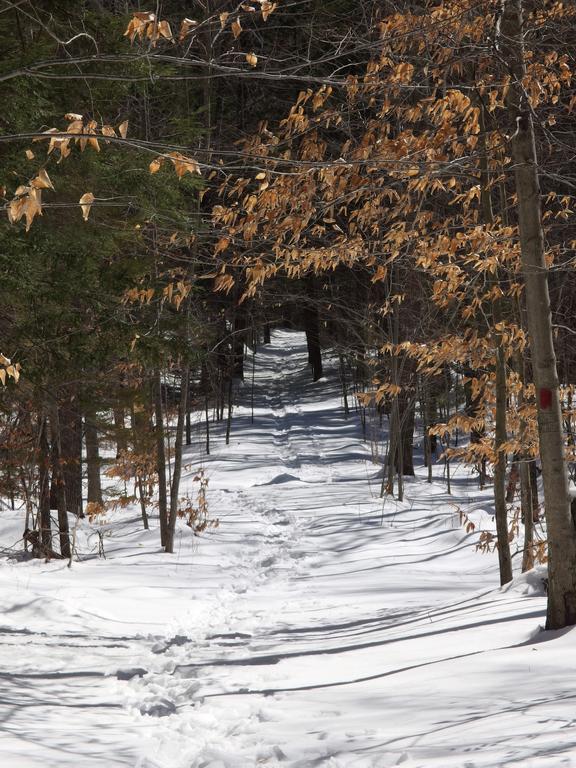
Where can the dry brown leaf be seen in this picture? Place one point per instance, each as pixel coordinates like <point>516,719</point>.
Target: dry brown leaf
<point>223,17</point>
<point>30,155</point>
<point>73,116</point>
<point>86,203</point>
<point>76,126</point>
<point>107,130</point>
<point>260,176</point>
<point>16,209</point>
<point>185,27</point>
<point>42,181</point>
<point>33,207</point>
<point>183,164</point>
<point>123,129</point>
<point>156,164</point>
<point>236,28</point>
<point>14,371</point>
<point>165,30</point>
<point>267,8</point>
<point>252,59</point>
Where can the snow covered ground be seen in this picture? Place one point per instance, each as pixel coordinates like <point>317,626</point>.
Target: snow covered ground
<point>315,627</point>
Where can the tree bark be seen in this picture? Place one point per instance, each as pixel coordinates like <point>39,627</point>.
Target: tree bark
<point>120,432</point>
<point>312,330</point>
<point>71,454</point>
<point>500,506</point>
<point>59,486</point>
<point>561,610</point>
<point>93,460</point>
<point>44,520</point>
<point>160,458</point>
<point>177,468</point>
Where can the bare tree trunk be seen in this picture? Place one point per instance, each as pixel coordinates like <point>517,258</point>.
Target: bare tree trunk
<point>120,432</point>
<point>501,509</point>
<point>560,526</point>
<point>142,496</point>
<point>312,329</point>
<point>59,486</point>
<point>177,469</point>
<point>229,417</point>
<point>405,454</point>
<point>71,448</point>
<point>93,459</point>
<point>344,385</point>
<point>160,458</point>
<point>500,431</point>
<point>238,340</point>
<point>527,517</point>
<point>44,521</point>
<point>513,477</point>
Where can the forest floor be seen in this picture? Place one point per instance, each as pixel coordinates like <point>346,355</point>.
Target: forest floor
<point>316,626</point>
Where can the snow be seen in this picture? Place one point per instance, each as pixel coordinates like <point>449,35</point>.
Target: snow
<point>316,626</point>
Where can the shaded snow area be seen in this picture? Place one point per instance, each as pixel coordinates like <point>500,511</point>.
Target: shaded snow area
<point>316,626</point>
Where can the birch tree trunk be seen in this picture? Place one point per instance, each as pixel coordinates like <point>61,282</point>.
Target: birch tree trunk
<point>560,526</point>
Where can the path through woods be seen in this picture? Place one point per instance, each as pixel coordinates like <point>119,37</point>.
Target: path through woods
<point>314,627</point>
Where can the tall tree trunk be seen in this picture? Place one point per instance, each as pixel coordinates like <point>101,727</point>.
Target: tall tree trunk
<point>44,521</point>
<point>238,341</point>
<point>474,410</point>
<point>500,428</point>
<point>405,453</point>
<point>177,468</point>
<point>160,458</point>
<point>58,483</point>
<point>561,610</point>
<point>93,459</point>
<point>120,432</point>
<point>71,454</point>
<point>500,506</point>
<point>312,329</point>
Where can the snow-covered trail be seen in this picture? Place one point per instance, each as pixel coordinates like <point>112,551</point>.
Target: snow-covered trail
<point>314,627</point>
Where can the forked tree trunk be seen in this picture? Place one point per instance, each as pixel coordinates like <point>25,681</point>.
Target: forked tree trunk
<point>560,526</point>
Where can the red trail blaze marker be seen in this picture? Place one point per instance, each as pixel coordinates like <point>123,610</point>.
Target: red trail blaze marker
<point>545,396</point>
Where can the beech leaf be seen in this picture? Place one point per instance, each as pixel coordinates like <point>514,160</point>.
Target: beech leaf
<point>236,28</point>
<point>86,203</point>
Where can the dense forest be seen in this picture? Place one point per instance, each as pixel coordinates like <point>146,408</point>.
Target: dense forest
<point>393,179</point>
